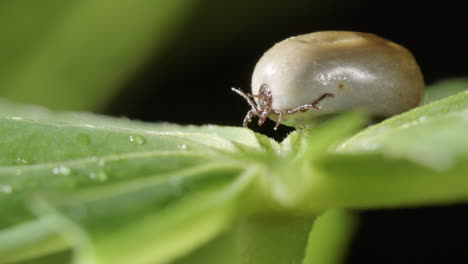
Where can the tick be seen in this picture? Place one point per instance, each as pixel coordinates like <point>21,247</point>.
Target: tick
<point>324,73</point>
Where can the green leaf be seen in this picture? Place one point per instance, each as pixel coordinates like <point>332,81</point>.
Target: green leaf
<point>417,158</point>
<point>74,54</point>
<point>172,188</point>
<point>119,191</point>
<point>35,238</point>
<point>289,178</point>
<point>268,238</point>
<point>56,258</point>
<point>133,171</point>
<point>433,135</point>
<point>444,89</point>
<point>168,217</point>
<point>329,238</point>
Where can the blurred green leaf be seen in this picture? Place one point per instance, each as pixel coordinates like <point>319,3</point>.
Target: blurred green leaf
<point>56,258</point>
<point>329,238</point>
<point>167,179</point>
<point>417,158</point>
<point>444,88</point>
<point>433,135</point>
<point>74,54</point>
<point>134,191</point>
<point>269,238</point>
<point>120,191</point>
<point>160,219</point>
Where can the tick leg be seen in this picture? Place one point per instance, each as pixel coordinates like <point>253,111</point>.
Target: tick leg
<point>247,98</point>
<point>248,117</point>
<point>280,118</point>
<point>255,96</point>
<point>259,97</point>
<point>262,118</point>
<point>321,98</point>
<point>301,108</point>
<point>306,107</point>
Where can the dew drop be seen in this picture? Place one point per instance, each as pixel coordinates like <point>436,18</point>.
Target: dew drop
<point>6,189</point>
<point>21,161</point>
<point>83,139</point>
<point>137,139</point>
<point>56,171</point>
<point>100,175</point>
<point>64,170</point>
<point>182,147</point>
<point>61,170</point>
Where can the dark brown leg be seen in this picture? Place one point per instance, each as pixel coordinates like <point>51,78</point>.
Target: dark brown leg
<point>306,107</point>
<point>321,98</point>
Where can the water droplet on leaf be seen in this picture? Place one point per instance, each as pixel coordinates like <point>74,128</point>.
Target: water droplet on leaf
<point>62,170</point>
<point>99,175</point>
<point>182,147</point>
<point>56,171</point>
<point>21,161</point>
<point>137,139</point>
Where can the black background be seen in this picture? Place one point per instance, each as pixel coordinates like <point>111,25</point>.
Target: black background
<point>217,48</point>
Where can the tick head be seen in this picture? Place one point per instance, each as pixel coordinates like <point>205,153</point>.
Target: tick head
<point>264,98</point>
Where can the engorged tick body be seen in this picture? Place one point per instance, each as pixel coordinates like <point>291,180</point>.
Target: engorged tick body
<point>328,72</point>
